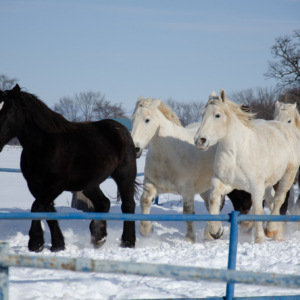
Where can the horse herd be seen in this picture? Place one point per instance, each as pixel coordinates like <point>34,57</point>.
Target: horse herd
<point>228,153</point>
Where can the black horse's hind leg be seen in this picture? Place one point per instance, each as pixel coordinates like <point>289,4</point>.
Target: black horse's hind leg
<point>98,227</point>
<point>36,234</point>
<point>57,238</point>
<point>242,202</point>
<point>126,188</point>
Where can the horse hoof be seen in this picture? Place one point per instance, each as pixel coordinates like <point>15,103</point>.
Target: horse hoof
<point>218,234</point>
<point>192,241</point>
<point>247,232</point>
<point>98,244</point>
<point>279,238</point>
<point>260,240</point>
<point>270,234</point>
<point>127,244</point>
<point>145,233</point>
<point>57,248</point>
<point>246,227</point>
<point>36,248</point>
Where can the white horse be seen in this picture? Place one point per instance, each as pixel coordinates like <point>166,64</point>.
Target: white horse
<point>288,113</point>
<point>251,156</point>
<point>173,163</point>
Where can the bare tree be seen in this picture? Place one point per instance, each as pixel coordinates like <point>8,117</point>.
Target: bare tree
<point>105,109</point>
<point>88,106</point>
<point>7,83</point>
<point>68,108</point>
<point>287,69</point>
<point>87,103</point>
<point>290,95</point>
<point>260,100</point>
<point>188,112</point>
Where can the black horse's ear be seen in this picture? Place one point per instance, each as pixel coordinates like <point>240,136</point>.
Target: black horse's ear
<point>16,91</point>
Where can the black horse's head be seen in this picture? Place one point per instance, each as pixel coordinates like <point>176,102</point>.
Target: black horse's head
<point>11,116</point>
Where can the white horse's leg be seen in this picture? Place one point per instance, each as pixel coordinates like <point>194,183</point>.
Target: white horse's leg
<point>269,197</point>
<point>274,229</point>
<point>205,197</point>
<point>147,198</point>
<point>188,208</point>
<point>215,202</point>
<point>257,209</point>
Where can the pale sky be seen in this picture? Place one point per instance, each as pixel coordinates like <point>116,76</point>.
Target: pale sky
<point>126,49</point>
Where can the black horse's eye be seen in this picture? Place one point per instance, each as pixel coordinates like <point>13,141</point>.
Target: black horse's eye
<point>289,121</point>
<point>218,116</point>
<point>147,120</point>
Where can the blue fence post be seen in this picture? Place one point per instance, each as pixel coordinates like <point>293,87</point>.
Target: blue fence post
<point>233,242</point>
<point>4,280</point>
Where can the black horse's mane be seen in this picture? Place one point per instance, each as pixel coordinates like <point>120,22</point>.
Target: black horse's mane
<point>38,113</point>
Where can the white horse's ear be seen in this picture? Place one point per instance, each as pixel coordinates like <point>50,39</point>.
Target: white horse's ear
<point>277,103</point>
<point>293,105</point>
<point>140,98</point>
<point>156,103</point>
<point>1,105</point>
<point>212,95</point>
<point>222,95</point>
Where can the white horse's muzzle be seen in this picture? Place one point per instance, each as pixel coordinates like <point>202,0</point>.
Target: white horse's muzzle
<point>202,144</point>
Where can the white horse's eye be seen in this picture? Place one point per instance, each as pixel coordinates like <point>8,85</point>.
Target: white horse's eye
<point>289,121</point>
<point>147,120</point>
<point>218,116</point>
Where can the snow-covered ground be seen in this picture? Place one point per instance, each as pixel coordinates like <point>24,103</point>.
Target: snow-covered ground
<point>166,246</point>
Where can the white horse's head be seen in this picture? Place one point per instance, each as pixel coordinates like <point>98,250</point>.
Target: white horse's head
<point>144,123</point>
<point>286,112</point>
<point>148,117</point>
<point>214,119</point>
<point>216,116</point>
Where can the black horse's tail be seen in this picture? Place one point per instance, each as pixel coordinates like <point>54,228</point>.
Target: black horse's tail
<point>138,187</point>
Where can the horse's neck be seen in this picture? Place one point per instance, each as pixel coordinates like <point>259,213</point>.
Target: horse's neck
<point>30,135</point>
<point>167,135</point>
<point>236,136</point>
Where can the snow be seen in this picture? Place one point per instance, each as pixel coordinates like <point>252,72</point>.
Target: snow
<point>165,246</point>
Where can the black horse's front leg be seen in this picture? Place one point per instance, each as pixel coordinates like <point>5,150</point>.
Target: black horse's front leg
<point>57,238</point>
<point>36,235</point>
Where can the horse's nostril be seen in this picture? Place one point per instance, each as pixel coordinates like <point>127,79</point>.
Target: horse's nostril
<point>203,140</point>
<point>137,150</point>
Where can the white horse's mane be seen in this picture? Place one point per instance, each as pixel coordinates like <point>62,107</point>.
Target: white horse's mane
<point>244,116</point>
<point>163,108</point>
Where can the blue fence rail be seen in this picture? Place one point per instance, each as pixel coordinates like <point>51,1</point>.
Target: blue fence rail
<point>176,272</point>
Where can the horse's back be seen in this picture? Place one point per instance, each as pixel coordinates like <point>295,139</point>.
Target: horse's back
<point>98,149</point>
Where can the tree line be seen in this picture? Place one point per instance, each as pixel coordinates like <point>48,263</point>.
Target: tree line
<point>84,106</point>
<point>89,106</point>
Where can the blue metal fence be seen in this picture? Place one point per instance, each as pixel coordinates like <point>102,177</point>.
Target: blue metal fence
<point>184,273</point>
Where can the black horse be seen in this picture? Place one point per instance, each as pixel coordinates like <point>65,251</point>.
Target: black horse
<point>59,155</point>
